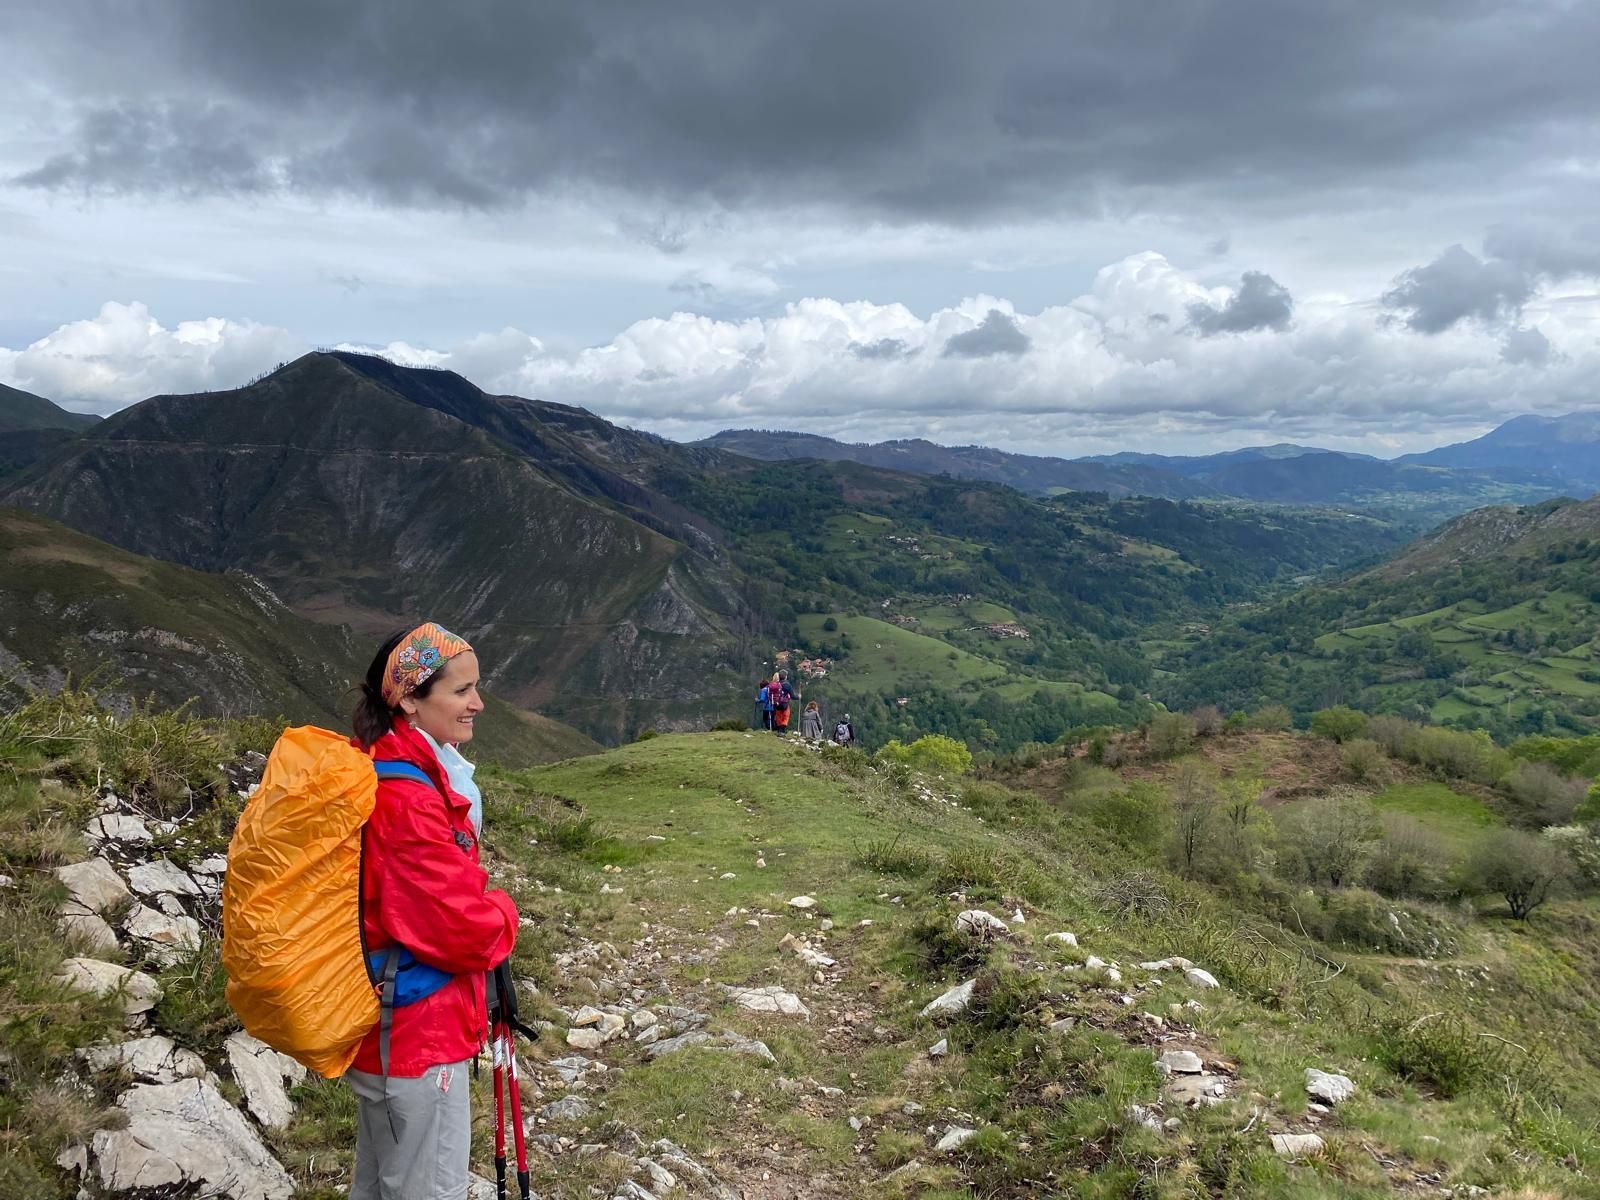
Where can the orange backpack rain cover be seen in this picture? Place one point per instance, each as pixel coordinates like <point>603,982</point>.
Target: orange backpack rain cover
<point>291,903</point>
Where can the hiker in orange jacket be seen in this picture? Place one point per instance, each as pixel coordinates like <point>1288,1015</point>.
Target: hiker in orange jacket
<point>425,897</point>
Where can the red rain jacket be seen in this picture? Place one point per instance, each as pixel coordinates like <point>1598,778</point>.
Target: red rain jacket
<point>421,886</point>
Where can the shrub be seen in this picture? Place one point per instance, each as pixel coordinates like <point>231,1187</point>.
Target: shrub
<point>193,1008</point>
<point>647,733</point>
<point>830,626</point>
<point>1363,760</point>
<point>1340,723</point>
<point>1544,796</point>
<point>1136,816</point>
<point>1272,718</point>
<point>731,725</point>
<point>1409,860</point>
<point>1391,733</point>
<point>1207,720</point>
<point>933,754</point>
<point>1523,868</point>
<point>1437,1049</point>
<point>1170,734</point>
<point>1332,835</point>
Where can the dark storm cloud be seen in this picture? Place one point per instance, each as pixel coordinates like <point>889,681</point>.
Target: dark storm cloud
<point>1459,285</point>
<point>882,349</point>
<point>997,335</point>
<point>900,109</point>
<point>1260,303</point>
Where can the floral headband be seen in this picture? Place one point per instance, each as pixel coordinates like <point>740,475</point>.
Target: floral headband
<point>418,656</point>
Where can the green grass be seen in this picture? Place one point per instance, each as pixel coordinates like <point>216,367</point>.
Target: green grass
<point>1459,820</point>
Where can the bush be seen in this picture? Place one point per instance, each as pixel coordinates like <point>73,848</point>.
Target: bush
<point>1136,816</point>
<point>1340,723</point>
<point>731,725</point>
<point>830,626</point>
<point>1523,868</point>
<point>647,733</point>
<point>933,754</point>
<point>1170,734</point>
<point>1332,836</point>
<point>1410,860</point>
<point>1391,733</point>
<point>1207,720</point>
<point>1544,796</point>
<point>1272,718</point>
<point>1364,760</point>
<point>1364,920</point>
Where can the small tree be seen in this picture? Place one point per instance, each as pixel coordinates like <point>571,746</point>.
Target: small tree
<point>1364,760</point>
<point>1207,720</point>
<point>1272,718</point>
<point>1196,807</point>
<point>1340,723</point>
<point>1334,836</point>
<point>1543,794</point>
<point>1522,867</point>
<point>830,626</point>
<point>1410,860</point>
<point>936,754</point>
<point>1170,734</point>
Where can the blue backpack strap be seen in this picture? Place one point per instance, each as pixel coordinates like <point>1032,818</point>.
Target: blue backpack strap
<point>399,769</point>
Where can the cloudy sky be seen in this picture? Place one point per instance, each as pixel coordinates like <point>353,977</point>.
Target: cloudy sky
<point>1063,228</point>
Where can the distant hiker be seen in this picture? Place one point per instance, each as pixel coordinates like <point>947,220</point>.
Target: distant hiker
<point>844,733</point>
<point>424,899</point>
<point>811,722</point>
<point>764,703</point>
<point>781,695</point>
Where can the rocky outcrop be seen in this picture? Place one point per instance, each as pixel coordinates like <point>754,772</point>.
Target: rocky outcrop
<point>262,1073</point>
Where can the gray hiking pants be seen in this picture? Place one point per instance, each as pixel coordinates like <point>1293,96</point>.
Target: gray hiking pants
<point>425,1156</point>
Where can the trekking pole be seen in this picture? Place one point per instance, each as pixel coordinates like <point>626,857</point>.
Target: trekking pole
<point>517,1134</point>
<point>499,1118</point>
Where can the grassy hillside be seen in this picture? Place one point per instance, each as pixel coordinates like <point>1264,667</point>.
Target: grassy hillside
<point>1491,623</point>
<point>143,629</point>
<point>658,879</point>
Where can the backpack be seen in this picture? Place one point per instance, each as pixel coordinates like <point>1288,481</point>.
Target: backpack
<point>299,977</point>
<point>780,695</point>
<point>841,733</point>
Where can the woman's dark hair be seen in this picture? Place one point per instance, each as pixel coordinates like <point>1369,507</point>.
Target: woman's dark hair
<point>372,717</point>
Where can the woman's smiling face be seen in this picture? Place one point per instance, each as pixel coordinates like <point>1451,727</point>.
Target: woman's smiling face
<point>447,711</point>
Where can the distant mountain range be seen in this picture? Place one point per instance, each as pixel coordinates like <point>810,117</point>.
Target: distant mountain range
<point>1528,459</point>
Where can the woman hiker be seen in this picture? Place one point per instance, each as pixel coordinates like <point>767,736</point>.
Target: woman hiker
<point>811,722</point>
<point>424,893</point>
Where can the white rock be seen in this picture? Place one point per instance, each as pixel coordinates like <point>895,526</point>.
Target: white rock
<point>185,1134</point>
<point>804,952</point>
<point>1142,1115</point>
<point>1183,964</point>
<point>94,885</point>
<point>167,939</point>
<point>261,1072</point>
<point>1114,976</point>
<point>1095,963</point>
<point>769,999</point>
<point>826,925</point>
<point>1019,918</point>
<point>117,827</point>
<point>479,1188</point>
<point>217,864</point>
<point>1296,1145</point>
<point>162,875</point>
<point>1161,964</point>
<point>977,922</point>
<point>643,1019</point>
<point>802,902</point>
<point>953,1001</point>
<point>152,1059</point>
<point>74,1160</point>
<point>956,1138</point>
<point>1327,1087</point>
<point>1201,979</point>
<point>727,875</point>
<point>587,1015</point>
<point>1182,1062</point>
<point>585,1039</point>
<point>90,929</point>
<point>140,992</point>
<point>7,882</point>
<point>939,1049</point>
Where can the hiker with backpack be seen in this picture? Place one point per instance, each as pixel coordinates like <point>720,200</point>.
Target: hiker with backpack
<point>427,904</point>
<point>764,703</point>
<point>811,722</point>
<point>844,733</point>
<point>358,927</point>
<point>782,696</point>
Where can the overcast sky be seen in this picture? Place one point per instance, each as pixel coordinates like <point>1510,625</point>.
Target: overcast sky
<point>1061,228</point>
